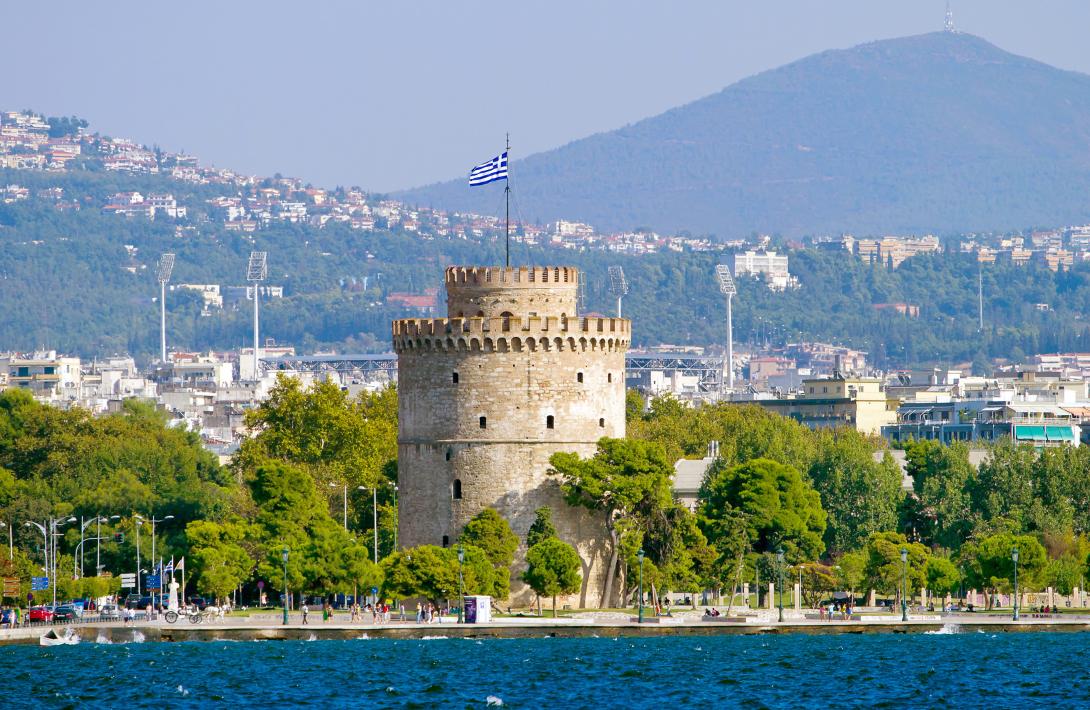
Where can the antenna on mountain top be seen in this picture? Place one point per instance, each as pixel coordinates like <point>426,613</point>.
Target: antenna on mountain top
<point>162,275</point>
<point>948,26</point>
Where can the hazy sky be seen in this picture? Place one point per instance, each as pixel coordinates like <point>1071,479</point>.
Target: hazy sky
<point>393,94</point>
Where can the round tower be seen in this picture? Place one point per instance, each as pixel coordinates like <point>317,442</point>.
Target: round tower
<point>511,376</point>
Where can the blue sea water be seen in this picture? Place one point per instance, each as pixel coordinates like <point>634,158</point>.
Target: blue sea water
<point>875,671</point>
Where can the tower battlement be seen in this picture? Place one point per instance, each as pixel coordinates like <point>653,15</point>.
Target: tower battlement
<point>491,291</point>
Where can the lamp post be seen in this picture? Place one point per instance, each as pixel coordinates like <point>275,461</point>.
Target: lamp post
<point>284,556</point>
<point>640,556</point>
<point>153,520</point>
<point>98,546</point>
<point>374,516</point>
<point>904,581</point>
<point>1014,557</point>
<point>461,593</point>
<point>779,570</point>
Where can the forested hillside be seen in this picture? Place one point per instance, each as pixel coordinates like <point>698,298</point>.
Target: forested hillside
<point>941,132</point>
<point>68,281</point>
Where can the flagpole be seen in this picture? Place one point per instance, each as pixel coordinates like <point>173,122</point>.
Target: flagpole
<point>507,204</point>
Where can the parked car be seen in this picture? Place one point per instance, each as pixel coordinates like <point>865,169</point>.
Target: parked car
<point>109,611</point>
<point>65,612</point>
<point>132,600</point>
<point>7,618</point>
<point>40,613</point>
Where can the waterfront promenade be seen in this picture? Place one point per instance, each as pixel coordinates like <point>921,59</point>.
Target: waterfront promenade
<point>261,627</point>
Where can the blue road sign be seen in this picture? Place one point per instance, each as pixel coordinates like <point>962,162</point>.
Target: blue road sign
<point>374,590</point>
<point>153,581</point>
<point>39,583</point>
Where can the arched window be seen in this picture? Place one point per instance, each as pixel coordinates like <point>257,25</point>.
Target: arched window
<point>602,423</point>
<point>446,541</point>
<point>456,489</point>
<point>579,377</point>
<point>609,377</point>
<point>449,454</point>
<point>483,422</point>
<point>454,377</point>
<point>550,422</point>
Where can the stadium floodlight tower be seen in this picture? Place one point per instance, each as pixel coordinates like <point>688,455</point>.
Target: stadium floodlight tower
<point>162,273</point>
<point>256,272</point>
<point>728,289</point>
<point>617,285</point>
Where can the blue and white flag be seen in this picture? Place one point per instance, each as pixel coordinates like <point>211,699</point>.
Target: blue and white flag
<point>489,171</point>
<point>169,569</point>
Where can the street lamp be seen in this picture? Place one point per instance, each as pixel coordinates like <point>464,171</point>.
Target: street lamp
<point>284,556</point>
<point>1014,557</point>
<point>904,581</point>
<point>153,520</point>
<point>640,556</point>
<point>374,517</point>
<point>779,570</point>
<point>461,593</point>
<point>98,546</point>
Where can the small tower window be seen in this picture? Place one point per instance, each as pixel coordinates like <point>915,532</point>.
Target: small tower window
<point>448,454</point>
<point>456,489</point>
<point>550,422</point>
<point>446,541</point>
<point>483,421</point>
<point>602,423</point>
<point>609,377</point>
<point>579,377</point>
<point>454,378</point>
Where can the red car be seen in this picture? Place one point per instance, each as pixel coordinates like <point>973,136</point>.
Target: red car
<point>39,613</point>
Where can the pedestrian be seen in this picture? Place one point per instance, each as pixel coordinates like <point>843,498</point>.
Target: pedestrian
<point>15,616</point>
<point>306,613</point>
<point>401,607</point>
<point>325,612</point>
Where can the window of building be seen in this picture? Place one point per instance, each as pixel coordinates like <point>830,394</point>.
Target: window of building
<point>446,541</point>
<point>550,422</point>
<point>456,489</point>
<point>609,377</point>
<point>824,390</point>
<point>483,421</point>
<point>602,422</point>
<point>50,370</point>
<point>449,453</point>
<point>579,377</point>
<point>454,378</point>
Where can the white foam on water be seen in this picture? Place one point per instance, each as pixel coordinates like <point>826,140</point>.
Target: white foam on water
<point>493,700</point>
<point>101,638</point>
<point>363,637</point>
<point>182,691</point>
<point>432,638</point>
<point>946,629</point>
<point>312,637</point>
<point>138,637</point>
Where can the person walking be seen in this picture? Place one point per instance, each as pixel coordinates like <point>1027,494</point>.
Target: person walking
<point>306,613</point>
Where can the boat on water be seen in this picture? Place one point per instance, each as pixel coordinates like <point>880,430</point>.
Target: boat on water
<point>52,638</point>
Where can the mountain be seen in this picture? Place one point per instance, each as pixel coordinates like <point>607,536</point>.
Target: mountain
<point>938,132</point>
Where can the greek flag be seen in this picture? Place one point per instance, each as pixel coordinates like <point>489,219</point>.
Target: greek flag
<point>489,171</point>
<point>169,569</point>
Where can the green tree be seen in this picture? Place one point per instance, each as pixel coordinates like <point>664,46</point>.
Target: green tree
<point>553,568</point>
<point>629,481</point>
<point>991,566</point>
<point>850,571</point>
<point>859,495</point>
<point>884,568</point>
<point>779,507</point>
<point>490,532</point>
<point>941,478</point>
<point>1064,574</point>
<point>218,556</point>
<point>542,528</point>
<point>942,576</point>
